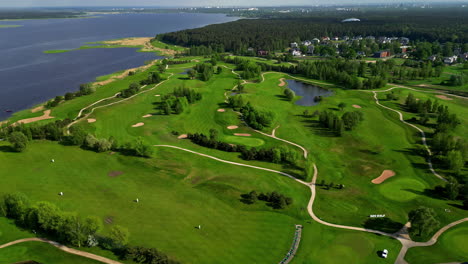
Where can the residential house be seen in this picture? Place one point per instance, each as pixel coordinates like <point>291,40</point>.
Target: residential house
<point>294,45</point>
<point>306,42</point>
<point>404,49</point>
<point>296,52</point>
<point>404,41</point>
<point>325,38</point>
<point>262,53</point>
<point>310,49</point>
<point>464,56</point>
<point>432,58</point>
<point>315,41</point>
<point>382,54</point>
<point>335,38</point>
<point>450,60</point>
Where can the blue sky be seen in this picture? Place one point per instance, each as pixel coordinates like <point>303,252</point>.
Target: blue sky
<point>38,3</point>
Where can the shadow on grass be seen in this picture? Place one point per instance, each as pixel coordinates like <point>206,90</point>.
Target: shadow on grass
<point>7,148</point>
<point>384,224</point>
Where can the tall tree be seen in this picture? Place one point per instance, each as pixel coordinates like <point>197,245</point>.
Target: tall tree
<point>423,220</point>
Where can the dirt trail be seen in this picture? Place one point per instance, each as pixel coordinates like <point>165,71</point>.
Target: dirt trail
<point>125,73</point>
<point>45,116</point>
<point>63,248</point>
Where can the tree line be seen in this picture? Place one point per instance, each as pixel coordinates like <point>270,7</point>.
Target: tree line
<point>273,199</point>
<point>85,89</point>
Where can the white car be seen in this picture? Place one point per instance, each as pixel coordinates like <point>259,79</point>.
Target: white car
<point>384,253</point>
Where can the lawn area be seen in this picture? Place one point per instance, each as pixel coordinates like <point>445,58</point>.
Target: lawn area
<point>40,252</point>
<point>450,247</point>
<point>173,200</point>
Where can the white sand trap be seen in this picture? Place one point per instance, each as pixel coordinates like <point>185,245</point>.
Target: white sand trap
<point>385,175</point>
<point>91,120</point>
<point>443,97</point>
<point>221,110</point>
<point>242,135</point>
<point>37,109</point>
<point>282,82</point>
<point>232,127</point>
<point>357,106</point>
<point>148,115</point>
<point>183,136</point>
<point>45,116</point>
<point>138,124</point>
<point>157,95</point>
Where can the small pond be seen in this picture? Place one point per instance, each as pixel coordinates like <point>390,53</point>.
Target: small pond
<point>308,92</point>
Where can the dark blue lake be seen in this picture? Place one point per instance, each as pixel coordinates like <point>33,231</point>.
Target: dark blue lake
<point>308,92</point>
<point>28,76</point>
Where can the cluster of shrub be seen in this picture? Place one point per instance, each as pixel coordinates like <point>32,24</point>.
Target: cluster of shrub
<point>275,155</point>
<point>330,185</point>
<point>205,71</point>
<point>457,80</point>
<point>337,124</point>
<point>85,89</point>
<point>153,78</point>
<point>174,62</point>
<point>70,228</point>
<point>79,137</point>
<point>179,100</point>
<point>289,94</point>
<point>452,190</point>
<point>254,118</point>
<point>272,199</point>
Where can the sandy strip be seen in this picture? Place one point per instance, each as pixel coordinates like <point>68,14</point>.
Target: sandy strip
<point>242,135</point>
<point>91,120</point>
<point>138,124</point>
<point>183,136</point>
<point>232,127</point>
<point>125,73</point>
<point>221,110</point>
<point>282,82</point>
<point>357,106</point>
<point>148,115</point>
<point>144,42</point>
<point>443,97</point>
<point>45,116</point>
<point>157,95</point>
<point>37,109</point>
<point>385,175</point>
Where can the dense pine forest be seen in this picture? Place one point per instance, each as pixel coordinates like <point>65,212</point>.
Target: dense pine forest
<point>276,33</point>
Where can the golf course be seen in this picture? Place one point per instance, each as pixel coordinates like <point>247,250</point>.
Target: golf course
<point>190,199</point>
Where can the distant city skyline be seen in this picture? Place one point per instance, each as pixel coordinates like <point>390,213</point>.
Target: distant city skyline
<point>191,3</point>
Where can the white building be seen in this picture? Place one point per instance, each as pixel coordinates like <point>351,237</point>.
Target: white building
<point>450,60</point>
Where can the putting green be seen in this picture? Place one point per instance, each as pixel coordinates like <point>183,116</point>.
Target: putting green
<point>402,189</point>
<point>248,141</point>
<point>457,241</point>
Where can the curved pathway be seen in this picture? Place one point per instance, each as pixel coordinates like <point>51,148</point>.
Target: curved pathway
<point>63,248</point>
<point>423,135</point>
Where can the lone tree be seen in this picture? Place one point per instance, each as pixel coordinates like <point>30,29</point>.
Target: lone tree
<point>18,141</point>
<point>423,220</point>
<point>341,106</point>
<point>289,94</point>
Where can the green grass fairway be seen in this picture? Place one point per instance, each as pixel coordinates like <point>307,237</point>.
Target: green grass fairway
<point>452,246</point>
<point>248,141</point>
<point>40,252</point>
<point>401,190</point>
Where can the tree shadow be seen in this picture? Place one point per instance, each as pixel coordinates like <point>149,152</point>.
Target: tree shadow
<point>282,98</point>
<point>384,224</point>
<point>7,148</point>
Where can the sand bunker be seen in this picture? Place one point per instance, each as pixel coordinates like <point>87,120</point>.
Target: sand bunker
<point>157,95</point>
<point>114,173</point>
<point>232,127</point>
<point>443,97</point>
<point>37,109</point>
<point>183,136</point>
<point>148,115</point>
<point>138,124</point>
<point>91,120</point>
<point>242,135</point>
<point>221,110</point>
<point>385,175</point>
<point>357,106</point>
<point>282,82</point>
<point>45,116</point>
